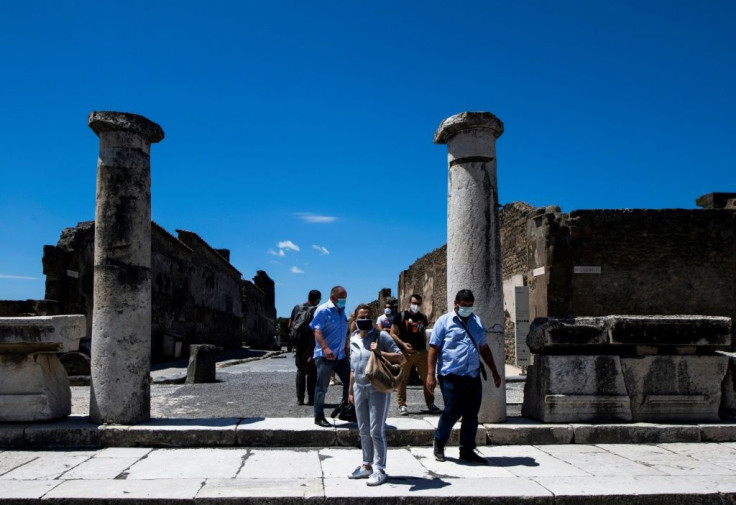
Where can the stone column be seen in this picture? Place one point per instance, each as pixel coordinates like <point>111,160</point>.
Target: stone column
<point>121,318</point>
<point>473,234</point>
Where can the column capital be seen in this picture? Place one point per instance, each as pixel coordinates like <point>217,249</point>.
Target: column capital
<point>467,121</point>
<point>105,121</point>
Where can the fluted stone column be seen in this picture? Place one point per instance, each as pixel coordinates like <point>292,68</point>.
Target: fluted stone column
<point>473,234</point>
<point>121,318</point>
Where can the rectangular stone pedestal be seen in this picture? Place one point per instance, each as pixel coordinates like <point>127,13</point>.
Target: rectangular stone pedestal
<point>33,387</point>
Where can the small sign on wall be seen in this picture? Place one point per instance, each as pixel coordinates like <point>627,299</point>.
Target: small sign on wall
<point>521,326</point>
<point>538,271</point>
<point>73,274</point>
<point>586,270</point>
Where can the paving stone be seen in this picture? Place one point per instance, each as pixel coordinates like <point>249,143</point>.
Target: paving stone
<point>164,491</point>
<point>189,464</point>
<point>718,432</point>
<point>642,489</point>
<point>284,432</point>
<point>452,467</point>
<point>48,465</point>
<point>597,461</point>
<point>216,432</point>
<point>511,490</point>
<point>338,463</point>
<point>666,461</point>
<point>281,464</point>
<point>285,492</point>
<point>716,454</point>
<point>98,468</point>
<point>10,460</point>
<point>25,489</point>
<point>529,434</point>
<point>528,462</point>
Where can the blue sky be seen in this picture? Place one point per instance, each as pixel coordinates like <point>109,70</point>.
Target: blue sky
<point>279,113</point>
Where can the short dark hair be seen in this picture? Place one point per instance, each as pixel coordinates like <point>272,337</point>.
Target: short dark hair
<point>334,291</point>
<point>314,295</point>
<point>417,296</point>
<point>363,306</point>
<point>464,295</point>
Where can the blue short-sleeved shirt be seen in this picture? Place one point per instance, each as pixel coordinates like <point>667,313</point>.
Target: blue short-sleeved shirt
<point>333,323</point>
<point>457,353</point>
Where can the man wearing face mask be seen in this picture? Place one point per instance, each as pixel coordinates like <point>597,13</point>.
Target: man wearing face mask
<point>330,326</point>
<point>385,320</point>
<point>409,332</point>
<point>457,343</point>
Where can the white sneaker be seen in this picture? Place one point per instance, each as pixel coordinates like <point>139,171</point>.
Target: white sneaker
<point>377,478</point>
<point>361,473</point>
<point>403,410</point>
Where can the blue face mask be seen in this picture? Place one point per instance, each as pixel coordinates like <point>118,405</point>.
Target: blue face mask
<point>464,311</point>
<point>341,303</point>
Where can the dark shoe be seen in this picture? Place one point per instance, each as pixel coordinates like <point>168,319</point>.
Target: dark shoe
<point>310,403</point>
<point>433,409</point>
<point>300,402</point>
<point>472,457</point>
<point>439,450</point>
<point>322,422</point>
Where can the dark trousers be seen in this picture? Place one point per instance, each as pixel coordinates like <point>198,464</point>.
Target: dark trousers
<point>324,368</point>
<point>462,396</point>
<point>306,377</point>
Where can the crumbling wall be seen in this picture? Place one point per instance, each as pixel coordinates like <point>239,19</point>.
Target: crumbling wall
<point>196,293</point>
<point>259,314</point>
<point>638,262</point>
<point>427,276</point>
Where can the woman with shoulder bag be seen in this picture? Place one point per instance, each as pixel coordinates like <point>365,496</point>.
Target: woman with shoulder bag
<point>371,405</point>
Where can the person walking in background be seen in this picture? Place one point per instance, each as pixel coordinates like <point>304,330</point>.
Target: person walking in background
<point>303,338</point>
<point>330,326</point>
<point>408,331</point>
<point>371,406</point>
<point>457,343</point>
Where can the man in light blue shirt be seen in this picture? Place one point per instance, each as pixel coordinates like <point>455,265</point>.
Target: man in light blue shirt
<point>330,326</point>
<point>458,342</point>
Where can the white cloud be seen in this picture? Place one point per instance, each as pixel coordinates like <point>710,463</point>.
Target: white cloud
<point>321,249</point>
<point>18,277</point>
<point>280,253</point>
<point>287,244</point>
<point>296,270</point>
<point>315,218</point>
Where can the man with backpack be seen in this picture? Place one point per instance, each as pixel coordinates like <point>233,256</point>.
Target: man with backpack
<point>408,331</point>
<point>303,338</point>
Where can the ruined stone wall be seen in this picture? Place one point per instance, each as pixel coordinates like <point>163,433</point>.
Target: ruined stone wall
<point>196,292</point>
<point>602,262</point>
<point>259,311</point>
<point>427,276</point>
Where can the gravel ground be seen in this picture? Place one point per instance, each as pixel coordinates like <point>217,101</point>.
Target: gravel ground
<point>256,388</point>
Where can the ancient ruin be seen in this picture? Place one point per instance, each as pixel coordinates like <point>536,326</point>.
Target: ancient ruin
<point>33,383</point>
<point>473,240</point>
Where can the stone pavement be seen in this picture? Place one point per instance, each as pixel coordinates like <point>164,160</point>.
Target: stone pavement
<point>677,473</point>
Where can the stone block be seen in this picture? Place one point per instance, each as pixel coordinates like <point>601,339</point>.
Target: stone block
<point>42,333</point>
<point>529,434</point>
<point>718,432</point>
<point>11,436</point>
<point>556,334</point>
<point>284,432</point>
<point>74,432</point>
<point>635,434</point>
<point>33,387</point>
<point>728,389</point>
<point>219,432</point>
<point>674,388</point>
<point>201,368</point>
<point>576,388</point>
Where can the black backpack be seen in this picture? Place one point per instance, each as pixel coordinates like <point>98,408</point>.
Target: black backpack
<point>300,326</point>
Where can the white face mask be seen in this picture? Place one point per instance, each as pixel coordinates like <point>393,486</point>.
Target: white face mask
<point>414,308</point>
<point>387,311</point>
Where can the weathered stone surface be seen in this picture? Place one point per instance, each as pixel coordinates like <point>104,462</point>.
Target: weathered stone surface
<point>74,432</point>
<point>505,434</point>
<point>38,333</point>
<point>616,334</point>
<point>33,387</point>
<point>218,432</point>
<point>121,320</point>
<point>576,389</point>
<point>728,389</point>
<point>474,258</point>
<point>201,368</point>
<point>674,388</point>
<point>284,432</point>
<point>634,433</point>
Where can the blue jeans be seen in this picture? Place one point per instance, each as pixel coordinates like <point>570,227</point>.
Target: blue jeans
<point>462,396</point>
<point>324,369</point>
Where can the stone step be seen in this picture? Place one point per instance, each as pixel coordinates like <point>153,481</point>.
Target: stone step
<point>79,432</point>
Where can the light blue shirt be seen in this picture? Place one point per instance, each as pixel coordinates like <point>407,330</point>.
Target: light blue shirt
<point>333,323</point>
<point>457,353</point>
